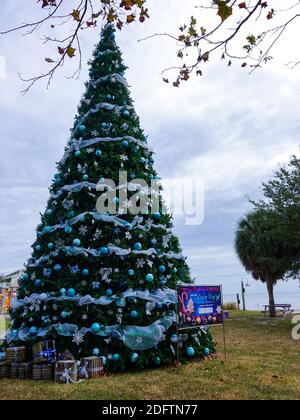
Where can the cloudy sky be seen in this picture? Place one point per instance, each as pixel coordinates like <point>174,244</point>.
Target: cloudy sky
<point>229,128</point>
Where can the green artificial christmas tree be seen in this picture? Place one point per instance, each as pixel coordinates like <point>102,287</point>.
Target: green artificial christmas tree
<point>101,280</point>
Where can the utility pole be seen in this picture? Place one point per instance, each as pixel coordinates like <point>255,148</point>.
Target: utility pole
<point>243,295</point>
<point>238,301</point>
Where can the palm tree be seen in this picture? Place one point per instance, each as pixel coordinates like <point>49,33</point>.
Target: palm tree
<point>263,248</point>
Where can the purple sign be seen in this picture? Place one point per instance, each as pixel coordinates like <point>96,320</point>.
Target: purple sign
<point>199,305</point>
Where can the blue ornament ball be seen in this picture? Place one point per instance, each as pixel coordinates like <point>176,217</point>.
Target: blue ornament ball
<point>162,269</point>
<point>109,292</point>
<point>64,314</point>
<point>174,270</point>
<point>33,331</point>
<point>98,153</point>
<point>82,128</point>
<point>57,267</point>
<point>96,352</point>
<point>68,230</point>
<point>206,351</point>
<point>95,328</point>
<point>71,292</point>
<point>149,278</point>
<point>38,248</point>
<point>76,242</point>
<point>190,351</point>
<point>157,216</point>
<point>85,272</point>
<point>49,212</point>
<point>50,245</point>
<point>63,291</point>
<point>56,176</point>
<point>157,360</point>
<point>104,250</point>
<point>48,229</point>
<point>38,283</point>
<point>25,276</point>
<point>85,177</point>
<point>143,160</point>
<point>130,273</point>
<point>134,357</point>
<point>137,246</point>
<point>115,357</point>
<point>125,143</point>
<point>134,314</point>
<point>77,153</point>
<point>126,113</point>
<point>174,338</point>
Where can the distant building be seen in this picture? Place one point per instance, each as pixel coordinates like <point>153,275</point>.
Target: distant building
<point>11,280</point>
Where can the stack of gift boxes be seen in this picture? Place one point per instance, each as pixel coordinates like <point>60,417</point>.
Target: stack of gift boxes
<point>47,365</point>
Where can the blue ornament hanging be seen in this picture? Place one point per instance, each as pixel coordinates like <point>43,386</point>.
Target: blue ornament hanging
<point>130,273</point>
<point>77,242</point>
<point>104,250</point>
<point>115,357</point>
<point>96,328</point>
<point>96,352</point>
<point>174,270</point>
<point>85,177</point>
<point>38,283</point>
<point>126,113</point>
<point>82,128</point>
<point>49,212</point>
<point>125,143</point>
<point>68,230</point>
<point>109,292</point>
<point>149,278</point>
<point>137,246</point>
<point>64,314</point>
<point>57,267</point>
<point>134,357</point>
<point>33,331</point>
<point>143,160</point>
<point>63,291</point>
<point>77,153</point>
<point>85,272</point>
<point>71,292</point>
<point>157,216</point>
<point>190,351</point>
<point>48,229</point>
<point>157,360</point>
<point>38,248</point>
<point>50,245</point>
<point>98,153</point>
<point>134,314</point>
<point>162,269</point>
<point>206,351</point>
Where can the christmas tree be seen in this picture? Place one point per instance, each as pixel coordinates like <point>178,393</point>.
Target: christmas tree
<point>102,276</point>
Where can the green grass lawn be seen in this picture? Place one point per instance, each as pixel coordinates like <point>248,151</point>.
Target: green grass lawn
<point>262,363</point>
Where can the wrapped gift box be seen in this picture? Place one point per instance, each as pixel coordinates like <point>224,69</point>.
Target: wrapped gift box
<point>66,371</point>
<point>90,367</point>
<point>4,370</point>
<point>42,372</point>
<point>44,352</point>
<point>15,355</point>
